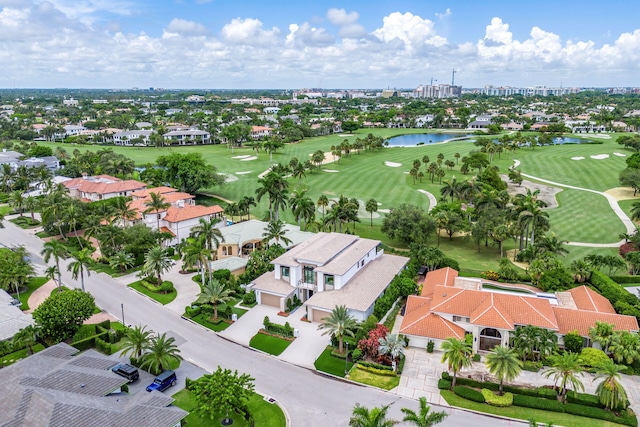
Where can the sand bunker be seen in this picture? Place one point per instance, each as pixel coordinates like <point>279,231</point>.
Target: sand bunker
<point>249,158</point>
<point>577,158</point>
<point>330,170</point>
<point>601,135</point>
<point>547,193</point>
<point>393,164</point>
<point>600,156</point>
<point>229,177</point>
<point>384,210</point>
<point>621,193</point>
<point>243,172</point>
<point>619,154</point>
<point>240,157</point>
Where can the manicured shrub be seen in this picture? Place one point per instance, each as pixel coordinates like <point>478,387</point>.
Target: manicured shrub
<point>356,355</point>
<point>376,365</point>
<point>532,366</point>
<point>249,298</point>
<point>430,346</point>
<point>477,384</point>
<point>625,279</point>
<point>494,400</point>
<point>383,372</point>
<point>542,392</point>
<point>584,399</point>
<point>469,393</point>
<point>537,403</point>
<point>444,384</point>
<point>106,324</point>
<point>610,289</point>
<point>573,342</point>
<point>601,414</point>
<point>593,357</point>
<point>166,287</point>
<point>445,375</point>
<point>476,357</point>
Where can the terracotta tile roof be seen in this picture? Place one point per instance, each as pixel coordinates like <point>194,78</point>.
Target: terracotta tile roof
<point>586,298</point>
<point>106,185</point>
<point>581,320</point>
<point>158,190</point>
<point>491,313</point>
<point>442,276</point>
<point>417,322</point>
<point>167,230</point>
<point>175,214</point>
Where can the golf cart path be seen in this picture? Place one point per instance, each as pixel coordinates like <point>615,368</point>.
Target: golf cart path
<point>629,225</point>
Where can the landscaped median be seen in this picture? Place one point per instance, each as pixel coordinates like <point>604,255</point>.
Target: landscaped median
<point>204,314</point>
<point>274,338</point>
<point>164,294</point>
<point>540,404</point>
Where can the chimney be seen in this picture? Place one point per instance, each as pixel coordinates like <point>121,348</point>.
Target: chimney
<point>84,175</point>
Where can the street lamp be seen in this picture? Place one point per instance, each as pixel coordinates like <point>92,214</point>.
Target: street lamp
<point>122,308</point>
<point>346,360</point>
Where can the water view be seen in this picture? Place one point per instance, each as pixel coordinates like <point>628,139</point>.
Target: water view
<point>423,138</point>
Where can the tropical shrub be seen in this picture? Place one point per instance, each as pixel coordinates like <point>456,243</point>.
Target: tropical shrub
<point>249,298</point>
<point>430,346</point>
<point>573,342</point>
<point>538,403</point>
<point>494,400</point>
<point>444,384</point>
<point>592,357</point>
<point>532,366</point>
<point>469,393</point>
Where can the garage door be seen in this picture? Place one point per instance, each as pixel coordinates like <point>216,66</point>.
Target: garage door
<point>268,299</point>
<point>319,315</point>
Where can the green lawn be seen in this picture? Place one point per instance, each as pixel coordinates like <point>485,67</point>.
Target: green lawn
<point>555,418</point>
<point>381,381</point>
<point>157,296</point>
<point>19,355</point>
<point>203,319</point>
<point>33,284</point>
<point>265,414</point>
<point>25,222</point>
<point>269,344</point>
<point>331,364</point>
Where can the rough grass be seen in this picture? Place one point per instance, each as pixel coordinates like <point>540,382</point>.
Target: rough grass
<point>381,381</point>
<point>547,417</point>
<point>157,296</point>
<point>265,414</point>
<point>330,364</point>
<point>269,344</point>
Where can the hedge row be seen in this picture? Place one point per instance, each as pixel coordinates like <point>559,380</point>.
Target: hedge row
<point>444,384</point>
<point>623,301</point>
<point>499,401</point>
<point>575,409</point>
<point>543,392</point>
<point>469,393</point>
<point>285,330</point>
<point>382,372</point>
<point>375,365</point>
<point>626,279</point>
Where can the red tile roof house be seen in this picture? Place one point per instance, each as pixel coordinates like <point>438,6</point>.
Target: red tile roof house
<point>101,187</point>
<point>328,270</point>
<point>453,306</point>
<point>179,218</point>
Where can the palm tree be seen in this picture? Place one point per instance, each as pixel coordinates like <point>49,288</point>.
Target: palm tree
<point>162,352</point>
<point>503,362</point>
<point>16,200</point>
<point>424,418</point>
<point>209,232</point>
<point>194,252</point>
<point>214,293</point>
<point>302,207</point>
<point>371,206</point>
<point>71,215</point>
<point>82,261</point>
<point>246,202</point>
<point>610,392</point>
<point>602,333</point>
<point>323,201</point>
<point>53,248</point>
<point>31,204</point>
<point>392,345</point>
<point>625,347</point>
<point>457,355</point>
<point>156,204</point>
<point>374,417</point>
<point>157,262</point>
<point>136,341</point>
<point>123,211</point>
<point>275,230</point>
<point>121,260</point>
<point>338,323</point>
<point>26,337</point>
<point>565,369</point>
<point>51,273</point>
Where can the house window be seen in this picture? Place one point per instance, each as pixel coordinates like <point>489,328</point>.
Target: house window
<point>309,276</point>
<point>159,217</point>
<point>362,263</point>
<point>284,271</point>
<point>461,319</point>
<point>224,250</point>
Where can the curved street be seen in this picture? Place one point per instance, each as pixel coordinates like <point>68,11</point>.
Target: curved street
<point>310,399</point>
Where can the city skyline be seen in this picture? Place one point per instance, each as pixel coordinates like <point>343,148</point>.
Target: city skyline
<point>375,44</point>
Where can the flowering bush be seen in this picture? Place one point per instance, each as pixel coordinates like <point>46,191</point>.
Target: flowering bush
<point>490,275</point>
<point>369,345</point>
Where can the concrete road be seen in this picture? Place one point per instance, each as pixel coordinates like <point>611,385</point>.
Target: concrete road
<point>310,399</point>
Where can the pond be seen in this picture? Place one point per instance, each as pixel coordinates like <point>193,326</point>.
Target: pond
<point>423,138</point>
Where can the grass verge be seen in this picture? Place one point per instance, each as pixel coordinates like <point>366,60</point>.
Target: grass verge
<point>269,344</point>
<point>157,296</point>
<point>33,284</point>
<point>25,222</point>
<point>381,381</point>
<point>331,364</point>
<point>546,417</point>
<point>10,358</point>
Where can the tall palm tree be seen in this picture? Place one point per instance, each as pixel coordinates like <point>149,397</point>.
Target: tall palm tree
<point>71,215</point>
<point>162,352</point>
<point>121,260</point>
<point>392,345</point>
<point>339,323</point>
<point>246,202</point>
<point>31,204</point>
<point>457,355</point>
<point>156,204</point>
<point>53,248</point>
<point>207,230</point>
<point>610,392</point>
<point>123,211</point>
<point>565,369</point>
<point>136,341</point>
<point>275,230</point>
<point>371,206</point>
<point>195,253</point>
<point>374,417</point>
<point>16,200</point>
<point>80,265</point>
<point>157,262</point>
<point>275,187</point>
<point>424,418</point>
<point>214,293</point>
<point>51,273</point>
<point>323,201</point>
<point>503,362</point>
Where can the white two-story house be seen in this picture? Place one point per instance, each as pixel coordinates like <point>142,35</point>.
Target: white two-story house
<point>328,270</point>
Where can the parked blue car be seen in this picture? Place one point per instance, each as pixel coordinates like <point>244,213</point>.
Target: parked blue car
<point>163,381</point>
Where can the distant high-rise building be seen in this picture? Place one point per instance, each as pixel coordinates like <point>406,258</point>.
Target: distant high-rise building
<point>437,91</point>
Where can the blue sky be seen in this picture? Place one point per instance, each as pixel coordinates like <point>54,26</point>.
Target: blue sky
<point>292,44</point>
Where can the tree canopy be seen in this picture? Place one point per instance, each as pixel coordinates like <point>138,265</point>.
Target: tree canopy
<point>60,315</point>
<point>189,172</point>
<point>223,391</point>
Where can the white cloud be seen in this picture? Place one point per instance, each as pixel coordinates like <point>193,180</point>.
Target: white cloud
<point>248,30</point>
<point>181,26</point>
<point>442,16</point>
<point>340,17</point>
<point>306,35</point>
<point>411,29</point>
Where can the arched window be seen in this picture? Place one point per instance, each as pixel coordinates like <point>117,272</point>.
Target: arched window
<point>489,338</point>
